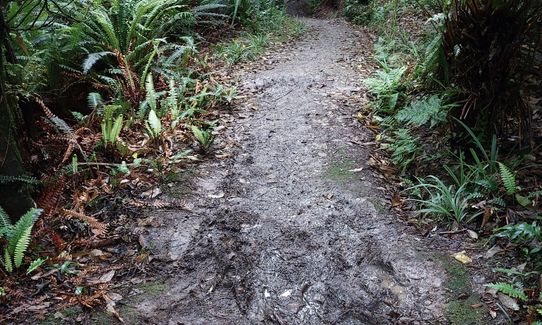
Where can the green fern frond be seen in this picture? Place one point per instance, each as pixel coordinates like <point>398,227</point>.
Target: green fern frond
<point>92,58</point>
<point>21,246</point>
<point>5,222</point>
<point>475,196</point>
<point>509,290</point>
<point>21,228</point>
<point>508,179</point>
<point>151,96</point>
<point>498,201</point>
<point>4,179</point>
<point>534,194</point>
<point>7,261</point>
<point>94,100</point>
<point>35,264</point>
<point>487,184</point>
<point>422,111</point>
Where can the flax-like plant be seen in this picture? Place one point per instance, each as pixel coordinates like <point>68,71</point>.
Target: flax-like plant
<point>444,201</point>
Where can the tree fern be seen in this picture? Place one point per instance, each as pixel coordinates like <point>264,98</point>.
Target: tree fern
<point>508,179</point>
<point>509,290</point>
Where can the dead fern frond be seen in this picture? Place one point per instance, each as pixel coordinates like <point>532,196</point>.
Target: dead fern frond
<point>98,228</point>
<point>69,135</point>
<point>51,197</point>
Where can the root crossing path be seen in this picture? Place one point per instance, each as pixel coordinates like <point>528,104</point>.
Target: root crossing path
<point>289,230</point>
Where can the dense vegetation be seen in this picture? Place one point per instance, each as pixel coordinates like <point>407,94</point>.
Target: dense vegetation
<point>456,98</point>
<point>100,101</point>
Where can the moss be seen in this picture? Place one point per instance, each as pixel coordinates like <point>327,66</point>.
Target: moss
<point>153,288</point>
<point>459,309</point>
<point>339,170</point>
<point>460,312</point>
<point>458,277</point>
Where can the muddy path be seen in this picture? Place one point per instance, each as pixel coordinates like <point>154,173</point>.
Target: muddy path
<point>288,231</point>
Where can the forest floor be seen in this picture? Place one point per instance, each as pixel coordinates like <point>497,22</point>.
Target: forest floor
<point>285,222</point>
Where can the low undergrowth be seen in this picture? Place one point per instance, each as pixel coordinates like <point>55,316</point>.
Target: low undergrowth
<point>273,26</point>
<point>467,160</point>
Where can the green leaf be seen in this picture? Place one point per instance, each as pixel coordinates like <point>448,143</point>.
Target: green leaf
<point>151,93</point>
<point>523,201</point>
<point>117,127</point>
<point>35,264</point>
<point>419,112</point>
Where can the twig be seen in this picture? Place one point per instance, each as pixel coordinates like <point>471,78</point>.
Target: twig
<point>452,232</point>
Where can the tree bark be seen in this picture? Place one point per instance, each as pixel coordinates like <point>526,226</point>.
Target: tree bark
<point>14,196</point>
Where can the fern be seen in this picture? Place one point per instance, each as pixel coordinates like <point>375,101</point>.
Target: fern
<point>5,222</point>
<point>404,148</point>
<point>385,82</point>
<point>94,100</point>
<point>18,236</point>
<point>152,98</point>
<point>497,201</point>
<point>7,261</point>
<point>154,125</point>
<point>509,290</point>
<point>534,194</point>
<point>422,111</point>
<point>18,242</point>
<point>22,244</point>
<point>508,179</point>
<point>4,179</point>
<point>35,264</point>
<point>92,58</point>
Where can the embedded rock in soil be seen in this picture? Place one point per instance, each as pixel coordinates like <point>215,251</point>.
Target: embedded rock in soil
<point>295,238</point>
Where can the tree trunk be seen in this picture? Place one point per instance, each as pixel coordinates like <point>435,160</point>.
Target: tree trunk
<point>14,196</point>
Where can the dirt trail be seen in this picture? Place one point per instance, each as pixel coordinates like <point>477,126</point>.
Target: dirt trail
<point>285,232</point>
